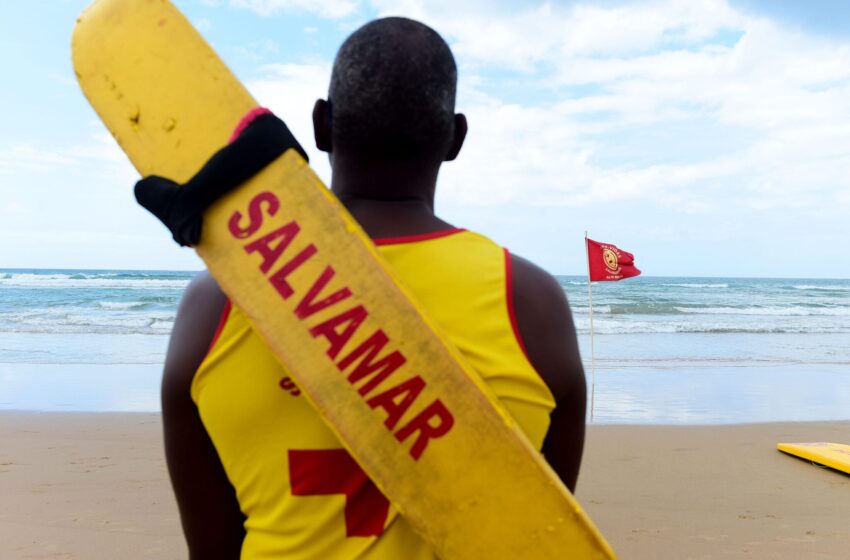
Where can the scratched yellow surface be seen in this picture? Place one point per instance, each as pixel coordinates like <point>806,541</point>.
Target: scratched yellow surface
<point>479,492</point>
<point>833,455</point>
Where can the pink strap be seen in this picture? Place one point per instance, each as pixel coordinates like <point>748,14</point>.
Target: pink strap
<point>249,117</point>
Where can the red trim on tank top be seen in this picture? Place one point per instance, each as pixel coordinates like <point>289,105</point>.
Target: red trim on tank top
<point>414,238</point>
<point>509,298</point>
<point>225,313</point>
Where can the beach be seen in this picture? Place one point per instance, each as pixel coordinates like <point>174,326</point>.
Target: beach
<point>94,486</point>
<point>696,380</point>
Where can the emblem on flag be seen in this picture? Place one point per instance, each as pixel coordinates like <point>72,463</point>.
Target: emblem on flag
<point>611,260</point>
<point>608,263</point>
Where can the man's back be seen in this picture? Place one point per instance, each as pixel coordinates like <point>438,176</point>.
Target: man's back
<point>303,496</point>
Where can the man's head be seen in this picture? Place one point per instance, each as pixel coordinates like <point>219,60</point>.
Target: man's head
<point>392,95</point>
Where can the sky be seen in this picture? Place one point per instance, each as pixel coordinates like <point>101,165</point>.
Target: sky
<point>707,137</point>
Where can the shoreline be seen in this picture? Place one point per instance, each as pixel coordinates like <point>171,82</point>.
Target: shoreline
<point>95,486</point>
<point>597,425</point>
<point>673,392</point>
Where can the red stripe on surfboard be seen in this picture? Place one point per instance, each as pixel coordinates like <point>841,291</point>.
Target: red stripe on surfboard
<point>249,117</point>
<point>414,238</point>
<point>509,298</point>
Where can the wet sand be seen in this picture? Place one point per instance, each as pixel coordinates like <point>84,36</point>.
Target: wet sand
<point>94,486</point>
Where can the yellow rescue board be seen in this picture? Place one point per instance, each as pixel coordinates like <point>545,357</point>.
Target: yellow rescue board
<point>833,455</point>
<point>456,465</point>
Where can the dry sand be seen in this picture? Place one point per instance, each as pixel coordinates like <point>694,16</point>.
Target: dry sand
<point>94,486</point>
<point>699,492</point>
<point>87,486</point>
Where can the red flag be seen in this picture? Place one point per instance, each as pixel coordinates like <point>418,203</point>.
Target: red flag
<point>607,263</point>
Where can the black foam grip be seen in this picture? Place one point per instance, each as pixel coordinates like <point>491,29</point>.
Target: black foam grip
<point>181,208</point>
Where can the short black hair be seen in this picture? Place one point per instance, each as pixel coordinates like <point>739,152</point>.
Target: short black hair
<point>392,91</point>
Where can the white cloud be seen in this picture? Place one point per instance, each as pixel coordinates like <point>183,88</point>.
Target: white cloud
<point>290,90</point>
<point>325,8</point>
<point>505,35</point>
<point>66,237</point>
<point>750,114</point>
<point>203,25</point>
<point>259,51</point>
<point>694,106</point>
<point>26,156</point>
<point>15,207</point>
<point>102,147</point>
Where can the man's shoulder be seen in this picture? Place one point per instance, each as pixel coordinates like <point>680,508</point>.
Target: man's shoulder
<point>200,310</point>
<point>203,288</point>
<point>194,327</point>
<point>546,326</point>
<point>536,287</point>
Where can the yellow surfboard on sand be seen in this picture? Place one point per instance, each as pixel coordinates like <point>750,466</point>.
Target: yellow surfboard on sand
<point>833,455</point>
<point>453,462</point>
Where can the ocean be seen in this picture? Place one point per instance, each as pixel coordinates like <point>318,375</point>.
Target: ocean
<point>665,350</point>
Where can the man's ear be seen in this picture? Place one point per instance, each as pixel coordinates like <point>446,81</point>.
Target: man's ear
<point>322,125</point>
<point>458,138</point>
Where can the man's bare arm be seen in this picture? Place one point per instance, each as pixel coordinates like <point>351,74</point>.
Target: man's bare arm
<point>546,326</point>
<point>212,520</point>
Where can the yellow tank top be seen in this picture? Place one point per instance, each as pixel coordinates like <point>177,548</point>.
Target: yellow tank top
<point>304,497</point>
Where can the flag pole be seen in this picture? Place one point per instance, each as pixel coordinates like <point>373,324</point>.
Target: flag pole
<point>592,349</point>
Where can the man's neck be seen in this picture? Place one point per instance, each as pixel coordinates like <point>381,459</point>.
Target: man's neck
<point>388,198</point>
